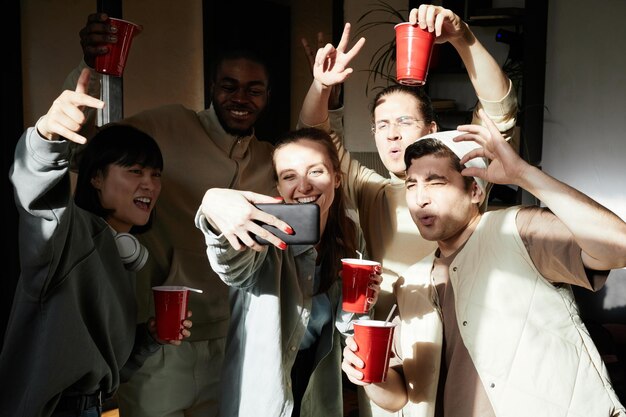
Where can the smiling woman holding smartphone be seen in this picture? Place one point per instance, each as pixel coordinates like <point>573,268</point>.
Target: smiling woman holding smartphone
<point>283,354</point>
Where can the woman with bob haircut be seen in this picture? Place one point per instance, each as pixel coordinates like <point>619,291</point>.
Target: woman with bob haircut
<point>72,335</point>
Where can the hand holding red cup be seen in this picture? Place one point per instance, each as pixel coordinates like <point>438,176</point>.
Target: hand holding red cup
<point>356,278</point>
<point>170,303</point>
<point>114,61</point>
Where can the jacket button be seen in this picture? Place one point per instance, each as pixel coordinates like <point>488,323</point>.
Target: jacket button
<point>492,385</point>
<point>464,323</point>
<point>293,348</point>
<point>454,269</point>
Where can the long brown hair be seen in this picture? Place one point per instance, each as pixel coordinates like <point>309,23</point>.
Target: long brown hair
<point>339,239</point>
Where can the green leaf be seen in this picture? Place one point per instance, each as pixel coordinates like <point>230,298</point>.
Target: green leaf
<point>384,58</point>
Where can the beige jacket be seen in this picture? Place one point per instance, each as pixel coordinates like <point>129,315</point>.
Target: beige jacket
<point>532,352</point>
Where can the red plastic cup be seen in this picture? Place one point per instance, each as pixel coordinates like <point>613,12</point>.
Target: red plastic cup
<point>171,309</point>
<point>374,339</point>
<point>414,47</point>
<point>113,62</point>
<point>355,278</point>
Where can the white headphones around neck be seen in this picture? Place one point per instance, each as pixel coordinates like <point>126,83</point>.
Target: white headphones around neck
<point>133,254</point>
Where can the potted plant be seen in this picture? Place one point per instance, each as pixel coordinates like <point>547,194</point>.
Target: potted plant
<point>382,62</point>
<point>444,59</point>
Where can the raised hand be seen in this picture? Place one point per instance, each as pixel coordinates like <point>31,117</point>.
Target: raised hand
<point>95,36</point>
<point>331,64</point>
<point>505,166</point>
<point>442,21</point>
<point>65,117</point>
<point>233,214</point>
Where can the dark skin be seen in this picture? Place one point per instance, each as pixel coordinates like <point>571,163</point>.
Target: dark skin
<point>239,92</point>
<point>95,36</point>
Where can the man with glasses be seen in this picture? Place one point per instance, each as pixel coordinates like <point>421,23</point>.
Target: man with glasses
<point>401,115</point>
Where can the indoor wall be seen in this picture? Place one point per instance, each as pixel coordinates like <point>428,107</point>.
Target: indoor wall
<point>583,140</point>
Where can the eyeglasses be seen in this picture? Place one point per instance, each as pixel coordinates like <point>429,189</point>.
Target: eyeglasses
<point>402,123</point>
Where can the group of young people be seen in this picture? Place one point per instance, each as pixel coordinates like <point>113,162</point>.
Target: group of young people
<point>487,321</point>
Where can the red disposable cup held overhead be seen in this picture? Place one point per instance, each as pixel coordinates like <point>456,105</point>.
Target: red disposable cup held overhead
<point>414,47</point>
<point>114,62</point>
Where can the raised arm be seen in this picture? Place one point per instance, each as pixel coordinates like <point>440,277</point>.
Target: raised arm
<point>600,233</point>
<point>233,214</point>
<point>41,154</point>
<point>40,171</point>
<point>488,79</point>
<point>95,38</point>
<point>65,117</point>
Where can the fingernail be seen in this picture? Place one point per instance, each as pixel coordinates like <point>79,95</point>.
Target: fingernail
<point>288,230</point>
<point>282,245</point>
<point>278,198</point>
<point>112,38</point>
<point>113,29</point>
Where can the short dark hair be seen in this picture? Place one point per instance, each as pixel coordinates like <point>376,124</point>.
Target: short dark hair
<point>425,104</point>
<point>432,146</point>
<point>239,52</point>
<point>117,144</point>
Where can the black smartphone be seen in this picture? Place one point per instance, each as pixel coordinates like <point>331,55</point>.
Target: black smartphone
<point>304,219</point>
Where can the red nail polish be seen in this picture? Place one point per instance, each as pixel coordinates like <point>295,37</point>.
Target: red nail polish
<point>282,245</point>
<point>288,230</point>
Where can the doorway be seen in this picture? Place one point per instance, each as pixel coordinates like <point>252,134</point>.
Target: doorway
<point>264,27</point>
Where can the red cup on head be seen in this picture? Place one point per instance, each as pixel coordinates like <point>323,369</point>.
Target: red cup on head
<point>414,47</point>
<point>374,339</point>
<point>114,61</point>
<point>170,304</point>
<point>355,279</point>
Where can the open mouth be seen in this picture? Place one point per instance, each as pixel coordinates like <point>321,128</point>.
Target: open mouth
<point>143,202</point>
<point>427,220</point>
<point>395,152</point>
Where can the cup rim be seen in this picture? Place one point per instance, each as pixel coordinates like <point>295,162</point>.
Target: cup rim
<point>404,24</point>
<point>373,323</point>
<point>170,288</point>
<point>416,26</point>
<point>137,26</point>
<point>358,261</point>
